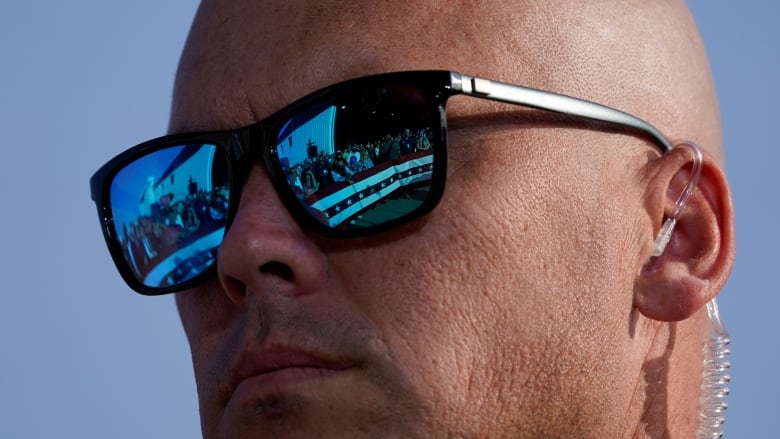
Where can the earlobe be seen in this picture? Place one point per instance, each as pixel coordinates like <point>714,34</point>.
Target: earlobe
<point>693,266</point>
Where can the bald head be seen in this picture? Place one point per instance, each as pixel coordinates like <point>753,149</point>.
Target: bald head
<point>645,58</point>
<point>526,304</point>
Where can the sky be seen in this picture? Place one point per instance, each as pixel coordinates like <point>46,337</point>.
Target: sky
<point>83,356</point>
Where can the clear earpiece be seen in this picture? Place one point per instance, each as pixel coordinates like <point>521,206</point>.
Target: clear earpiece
<point>666,230</point>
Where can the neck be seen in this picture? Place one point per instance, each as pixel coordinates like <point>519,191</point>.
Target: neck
<point>669,389</point>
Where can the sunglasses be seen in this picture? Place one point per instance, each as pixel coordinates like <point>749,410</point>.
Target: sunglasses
<point>352,159</point>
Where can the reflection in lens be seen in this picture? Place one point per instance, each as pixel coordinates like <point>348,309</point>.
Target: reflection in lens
<point>361,161</point>
<point>169,210</point>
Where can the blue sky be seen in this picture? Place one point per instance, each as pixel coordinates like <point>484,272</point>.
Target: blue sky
<point>82,80</point>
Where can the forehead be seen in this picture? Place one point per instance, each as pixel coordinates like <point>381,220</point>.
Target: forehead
<point>246,59</point>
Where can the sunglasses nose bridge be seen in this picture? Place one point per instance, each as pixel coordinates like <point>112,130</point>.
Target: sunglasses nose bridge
<point>249,142</point>
<point>249,146</point>
<point>254,150</point>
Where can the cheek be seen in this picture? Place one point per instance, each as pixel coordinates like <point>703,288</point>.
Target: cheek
<point>513,283</point>
<point>205,313</point>
<point>566,237</point>
<point>429,315</point>
<point>209,323</point>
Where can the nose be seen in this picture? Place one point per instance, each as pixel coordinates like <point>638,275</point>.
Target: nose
<point>265,246</point>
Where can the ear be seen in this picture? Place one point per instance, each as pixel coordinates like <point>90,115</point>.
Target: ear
<point>698,258</point>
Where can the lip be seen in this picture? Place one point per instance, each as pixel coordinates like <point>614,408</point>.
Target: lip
<point>273,370</point>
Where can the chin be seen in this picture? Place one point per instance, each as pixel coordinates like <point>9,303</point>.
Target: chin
<point>339,406</point>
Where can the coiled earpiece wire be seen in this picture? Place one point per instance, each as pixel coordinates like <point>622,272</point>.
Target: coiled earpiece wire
<point>715,378</point>
<point>715,367</point>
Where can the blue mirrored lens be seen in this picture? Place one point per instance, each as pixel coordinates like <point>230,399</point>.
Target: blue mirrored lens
<point>363,160</point>
<point>169,212</point>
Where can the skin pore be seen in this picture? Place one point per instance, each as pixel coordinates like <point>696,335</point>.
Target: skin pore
<point>526,303</point>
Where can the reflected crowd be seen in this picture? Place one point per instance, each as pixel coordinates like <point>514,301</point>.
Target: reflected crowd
<point>323,170</point>
<point>173,224</point>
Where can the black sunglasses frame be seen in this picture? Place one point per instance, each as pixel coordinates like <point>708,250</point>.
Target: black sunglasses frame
<point>256,143</point>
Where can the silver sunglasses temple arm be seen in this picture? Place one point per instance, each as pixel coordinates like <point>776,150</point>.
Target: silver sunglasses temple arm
<point>543,100</point>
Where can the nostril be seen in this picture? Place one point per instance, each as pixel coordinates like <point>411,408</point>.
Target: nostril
<point>277,269</point>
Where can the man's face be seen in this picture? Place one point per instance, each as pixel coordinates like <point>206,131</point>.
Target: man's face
<point>507,308</point>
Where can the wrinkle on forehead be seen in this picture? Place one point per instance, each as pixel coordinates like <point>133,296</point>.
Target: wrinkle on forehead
<point>246,59</point>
